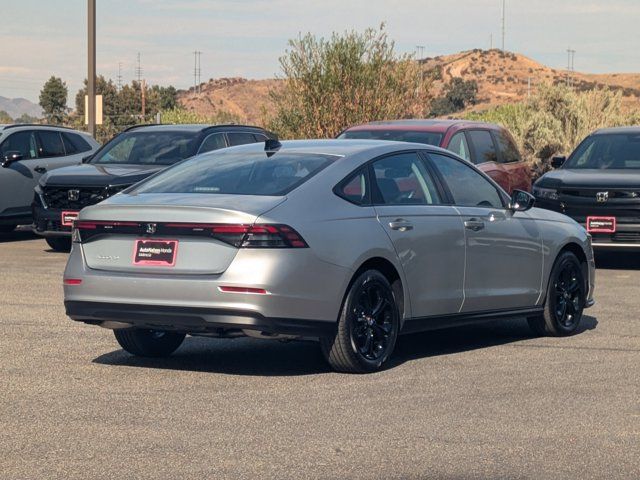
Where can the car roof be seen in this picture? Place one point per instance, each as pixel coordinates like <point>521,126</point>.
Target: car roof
<point>435,125</point>
<point>189,127</point>
<point>38,126</point>
<point>614,130</point>
<point>342,148</point>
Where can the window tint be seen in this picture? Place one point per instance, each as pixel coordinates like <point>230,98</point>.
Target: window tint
<point>484,149</point>
<point>240,138</point>
<point>508,150</point>
<point>74,143</point>
<point>605,151</point>
<point>458,145</point>
<point>50,144</point>
<point>22,142</point>
<point>467,186</point>
<point>403,179</point>
<point>354,188</point>
<point>229,172</point>
<point>214,141</point>
<point>259,137</point>
<point>148,148</point>
<point>428,138</point>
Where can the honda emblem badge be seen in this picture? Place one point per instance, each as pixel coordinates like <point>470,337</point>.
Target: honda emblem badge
<point>73,195</point>
<point>602,197</point>
<point>151,228</point>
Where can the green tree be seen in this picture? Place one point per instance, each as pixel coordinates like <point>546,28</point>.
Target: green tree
<point>53,100</point>
<point>26,118</point>
<point>458,94</point>
<point>347,79</point>
<point>5,117</point>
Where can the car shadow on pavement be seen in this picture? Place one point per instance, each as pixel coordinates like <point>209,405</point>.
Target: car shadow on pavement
<point>623,260</point>
<point>246,356</point>
<point>18,235</point>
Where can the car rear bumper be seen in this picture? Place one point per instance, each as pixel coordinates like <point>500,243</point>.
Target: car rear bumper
<point>193,319</point>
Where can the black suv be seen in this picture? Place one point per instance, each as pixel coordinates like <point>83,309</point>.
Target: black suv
<point>128,158</point>
<point>599,187</point>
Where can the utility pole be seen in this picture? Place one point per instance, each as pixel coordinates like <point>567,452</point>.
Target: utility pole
<point>570,57</point>
<point>503,23</point>
<point>91,74</point>
<point>139,69</point>
<point>119,76</point>
<point>420,51</point>
<point>491,41</point>
<point>528,87</point>
<point>143,88</point>
<point>196,71</point>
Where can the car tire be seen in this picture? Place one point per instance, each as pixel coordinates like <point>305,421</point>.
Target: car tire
<point>7,228</point>
<point>59,244</point>
<point>565,299</point>
<point>367,328</point>
<point>148,343</point>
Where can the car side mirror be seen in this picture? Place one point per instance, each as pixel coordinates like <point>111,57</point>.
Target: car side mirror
<point>87,158</point>
<point>10,157</point>
<point>557,162</point>
<point>521,201</point>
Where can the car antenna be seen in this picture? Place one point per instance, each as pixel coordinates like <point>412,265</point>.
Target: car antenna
<point>271,146</point>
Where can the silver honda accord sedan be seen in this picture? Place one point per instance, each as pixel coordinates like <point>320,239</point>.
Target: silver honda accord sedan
<point>350,241</point>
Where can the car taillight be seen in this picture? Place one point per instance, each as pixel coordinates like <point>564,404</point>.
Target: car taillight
<point>237,235</point>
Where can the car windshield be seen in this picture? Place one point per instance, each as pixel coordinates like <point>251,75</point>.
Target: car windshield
<point>148,148</point>
<point>429,138</point>
<point>239,173</point>
<point>607,151</point>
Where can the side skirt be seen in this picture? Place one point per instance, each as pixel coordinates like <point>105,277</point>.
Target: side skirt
<point>423,324</point>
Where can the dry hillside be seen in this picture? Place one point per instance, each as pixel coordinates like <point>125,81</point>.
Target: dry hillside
<point>501,78</point>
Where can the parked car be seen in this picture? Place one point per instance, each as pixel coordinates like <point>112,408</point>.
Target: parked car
<point>599,187</point>
<point>489,146</point>
<point>27,152</point>
<point>353,242</point>
<point>128,158</point>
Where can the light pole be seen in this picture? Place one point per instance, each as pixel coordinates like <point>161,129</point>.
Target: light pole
<point>91,75</point>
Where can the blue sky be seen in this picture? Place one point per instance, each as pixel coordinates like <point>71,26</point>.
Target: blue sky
<point>39,38</point>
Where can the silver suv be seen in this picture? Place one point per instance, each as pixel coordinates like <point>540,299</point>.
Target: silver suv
<point>27,152</point>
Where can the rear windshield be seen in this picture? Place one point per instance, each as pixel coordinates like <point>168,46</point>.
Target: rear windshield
<point>148,148</point>
<point>225,172</point>
<point>607,151</point>
<point>428,138</point>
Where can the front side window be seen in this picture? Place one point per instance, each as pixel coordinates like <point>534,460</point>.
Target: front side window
<point>459,146</point>
<point>229,172</point>
<point>215,141</point>
<point>148,148</point>
<point>403,180</point>
<point>50,144</point>
<point>23,143</point>
<point>413,136</point>
<point>484,149</point>
<point>74,143</point>
<point>607,151</point>
<point>468,187</point>
<point>508,151</point>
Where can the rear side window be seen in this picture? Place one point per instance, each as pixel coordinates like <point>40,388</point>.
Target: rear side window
<point>483,146</point>
<point>403,180</point>
<point>240,138</point>
<point>468,187</point>
<point>508,151</point>
<point>215,141</point>
<point>458,145</point>
<point>74,143</point>
<point>50,144</point>
<point>354,188</point>
<point>238,173</point>
<point>413,136</point>
<point>23,143</point>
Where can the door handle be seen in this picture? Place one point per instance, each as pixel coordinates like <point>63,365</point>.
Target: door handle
<point>40,169</point>
<point>474,224</point>
<point>401,225</point>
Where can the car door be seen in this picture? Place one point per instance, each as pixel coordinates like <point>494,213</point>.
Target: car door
<point>485,156</point>
<point>517,169</point>
<point>503,248</point>
<point>427,235</point>
<point>19,178</point>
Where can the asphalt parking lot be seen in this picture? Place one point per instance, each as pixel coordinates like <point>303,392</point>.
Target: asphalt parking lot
<point>480,402</point>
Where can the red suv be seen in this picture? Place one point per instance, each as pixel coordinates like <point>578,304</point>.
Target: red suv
<point>487,145</point>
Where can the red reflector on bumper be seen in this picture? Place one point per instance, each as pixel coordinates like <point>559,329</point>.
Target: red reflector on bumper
<point>72,281</point>
<point>258,291</point>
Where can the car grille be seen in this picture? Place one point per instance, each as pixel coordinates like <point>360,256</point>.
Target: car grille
<point>591,193</point>
<point>618,237</point>
<point>59,197</point>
